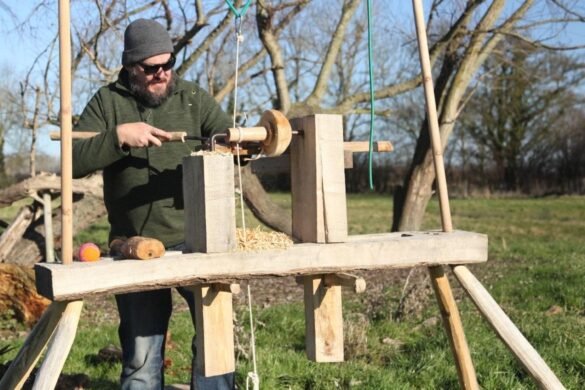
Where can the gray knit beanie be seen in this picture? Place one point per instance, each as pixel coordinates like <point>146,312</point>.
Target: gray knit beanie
<point>145,38</point>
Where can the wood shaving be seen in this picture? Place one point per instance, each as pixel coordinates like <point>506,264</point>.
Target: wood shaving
<point>209,153</point>
<point>257,239</point>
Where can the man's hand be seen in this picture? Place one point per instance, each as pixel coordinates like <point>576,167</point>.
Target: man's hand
<point>140,135</point>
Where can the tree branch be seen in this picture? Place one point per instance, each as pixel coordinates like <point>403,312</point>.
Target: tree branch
<point>347,11</point>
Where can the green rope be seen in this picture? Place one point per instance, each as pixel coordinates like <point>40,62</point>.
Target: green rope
<point>238,12</point>
<point>372,97</point>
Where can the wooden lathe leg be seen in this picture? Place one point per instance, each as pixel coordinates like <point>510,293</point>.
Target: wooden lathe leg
<point>30,352</point>
<point>323,320</point>
<point>59,348</point>
<point>454,328</point>
<point>215,331</point>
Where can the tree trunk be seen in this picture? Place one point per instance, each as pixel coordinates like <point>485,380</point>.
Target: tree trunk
<point>18,294</point>
<point>263,208</point>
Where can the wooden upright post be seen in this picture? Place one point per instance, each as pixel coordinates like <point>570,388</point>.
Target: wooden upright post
<point>66,127</point>
<point>210,214</point>
<point>319,214</point>
<point>319,210</point>
<point>208,191</point>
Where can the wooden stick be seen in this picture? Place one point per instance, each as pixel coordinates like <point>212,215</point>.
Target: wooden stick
<point>536,367</point>
<point>454,328</point>
<point>233,288</point>
<point>433,121</point>
<point>447,304</point>
<point>34,344</point>
<point>66,125</point>
<point>356,283</point>
<point>48,218</point>
<point>364,146</point>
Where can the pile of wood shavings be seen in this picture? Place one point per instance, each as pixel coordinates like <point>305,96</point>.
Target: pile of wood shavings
<point>257,239</point>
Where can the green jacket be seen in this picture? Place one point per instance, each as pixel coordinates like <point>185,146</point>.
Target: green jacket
<point>143,186</point>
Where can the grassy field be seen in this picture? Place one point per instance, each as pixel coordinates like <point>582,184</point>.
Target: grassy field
<point>536,271</point>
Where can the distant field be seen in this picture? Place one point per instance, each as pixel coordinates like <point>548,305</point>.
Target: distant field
<point>536,272</point>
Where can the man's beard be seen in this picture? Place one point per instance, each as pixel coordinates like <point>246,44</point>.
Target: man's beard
<point>147,98</point>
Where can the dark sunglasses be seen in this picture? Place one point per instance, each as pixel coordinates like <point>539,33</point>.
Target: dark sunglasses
<point>153,69</point>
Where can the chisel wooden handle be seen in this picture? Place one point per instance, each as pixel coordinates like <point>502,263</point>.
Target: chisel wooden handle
<point>176,136</point>
<point>137,248</point>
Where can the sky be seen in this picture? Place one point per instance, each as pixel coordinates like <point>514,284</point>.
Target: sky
<point>17,53</point>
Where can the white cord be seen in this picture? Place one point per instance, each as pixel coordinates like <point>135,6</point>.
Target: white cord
<point>239,38</point>
<point>241,191</point>
<point>253,376</point>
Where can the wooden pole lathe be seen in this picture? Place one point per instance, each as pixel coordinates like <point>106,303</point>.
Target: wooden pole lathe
<point>441,286</point>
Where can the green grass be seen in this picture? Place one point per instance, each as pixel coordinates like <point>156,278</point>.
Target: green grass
<point>536,261</point>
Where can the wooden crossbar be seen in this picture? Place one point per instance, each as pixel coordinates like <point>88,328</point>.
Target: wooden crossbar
<point>390,250</point>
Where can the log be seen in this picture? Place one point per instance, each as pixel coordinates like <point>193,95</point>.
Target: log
<point>536,367</point>
<point>30,249</point>
<point>374,251</point>
<point>15,230</point>
<point>137,248</point>
<point>19,294</point>
<point>91,185</point>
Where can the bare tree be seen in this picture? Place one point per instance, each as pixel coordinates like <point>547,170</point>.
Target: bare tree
<point>295,59</point>
<point>470,45</point>
<point>517,106</point>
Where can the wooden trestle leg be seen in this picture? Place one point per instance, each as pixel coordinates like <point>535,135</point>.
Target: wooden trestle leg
<point>454,328</point>
<point>23,363</point>
<point>534,364</point>
<point>215,331</point>
<point>323,320</point>
<point>59,347</point>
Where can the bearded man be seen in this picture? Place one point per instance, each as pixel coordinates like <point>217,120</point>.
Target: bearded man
<point>143,181</point>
